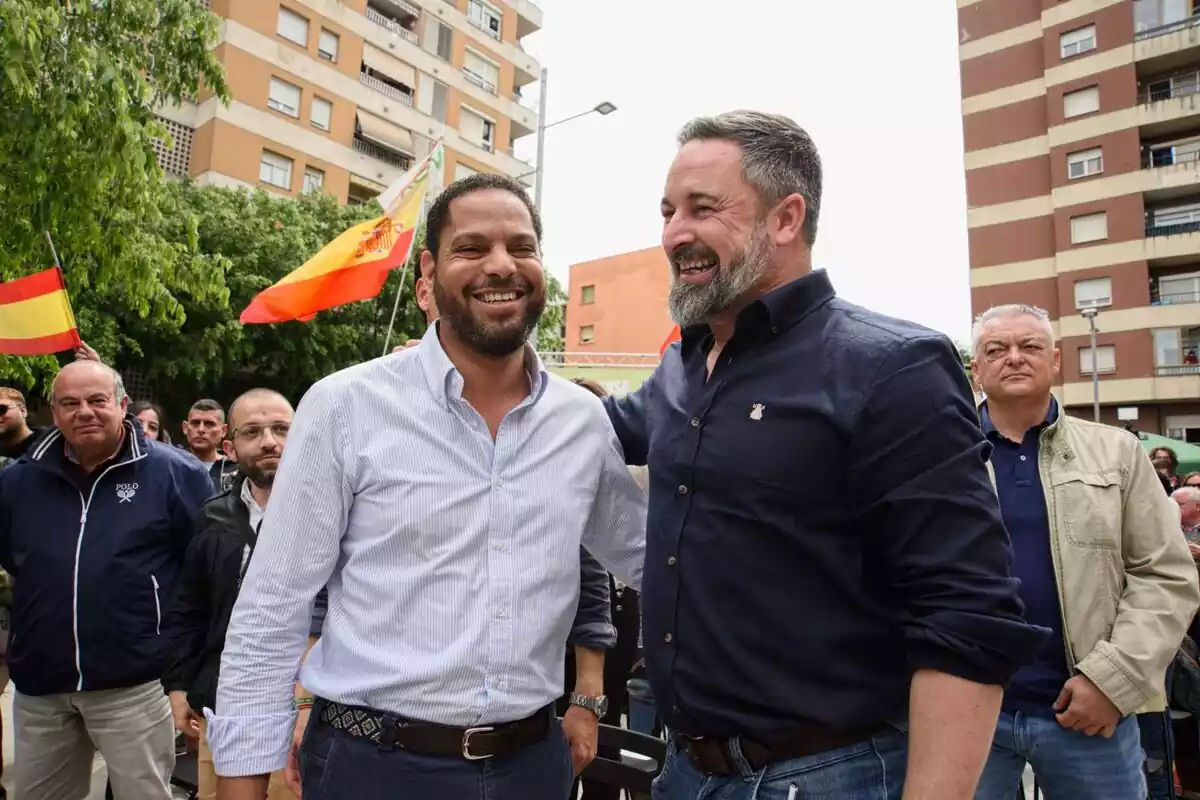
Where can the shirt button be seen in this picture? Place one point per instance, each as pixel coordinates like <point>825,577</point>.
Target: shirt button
<point>671,561</point>
<point>682,489</point>
<point>1022,458</point>
<point>695,422</point>
<point>668,638</point>
<point>500,611</point>
<point>497,545</point>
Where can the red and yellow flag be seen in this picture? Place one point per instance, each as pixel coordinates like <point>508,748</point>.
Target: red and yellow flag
<point>36,317</point>
<point>355,265</point>
<point>673,336</point>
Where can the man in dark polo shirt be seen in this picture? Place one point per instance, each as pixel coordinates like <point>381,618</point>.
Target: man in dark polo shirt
<point>827,598</point>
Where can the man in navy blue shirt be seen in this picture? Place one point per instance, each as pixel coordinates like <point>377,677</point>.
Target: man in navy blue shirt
<point>1101,564</point>
<point>827,597</point>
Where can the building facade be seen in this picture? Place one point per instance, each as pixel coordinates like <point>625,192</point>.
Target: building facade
<point>342,96</point>
<point>1081,127</point>
<point>616,318</point>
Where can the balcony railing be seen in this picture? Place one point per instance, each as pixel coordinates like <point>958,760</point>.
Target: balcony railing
<point>1167,86</point>
<point>384,88</point>
<point>1171,229</point>
<point>391,25</point>
<point>1185,152</point>
<point>482,83</point>
<point>1173,296</point>
<point>1170,27</point>
<point>381,153</point>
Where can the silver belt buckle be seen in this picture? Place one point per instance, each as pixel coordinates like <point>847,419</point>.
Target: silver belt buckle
<point>466,743</point>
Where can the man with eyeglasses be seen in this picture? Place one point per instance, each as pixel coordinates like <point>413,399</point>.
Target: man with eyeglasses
<point>213,569</point>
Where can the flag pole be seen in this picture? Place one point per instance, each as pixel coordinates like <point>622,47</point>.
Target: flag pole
<point>53,252</point>
<point>387,340</point>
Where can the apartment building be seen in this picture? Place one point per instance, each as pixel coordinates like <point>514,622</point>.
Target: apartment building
<point>1081,123</point>
<point>342,96</point>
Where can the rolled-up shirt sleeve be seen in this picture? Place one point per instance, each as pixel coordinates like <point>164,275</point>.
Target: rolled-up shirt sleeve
<point>593,626</point>
<point>251,729</point>
<point>919,465</point>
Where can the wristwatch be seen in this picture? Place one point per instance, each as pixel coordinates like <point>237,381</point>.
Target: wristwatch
<point>596,705</point>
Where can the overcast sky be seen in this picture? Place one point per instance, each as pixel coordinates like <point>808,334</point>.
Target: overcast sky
<point>874,82</point>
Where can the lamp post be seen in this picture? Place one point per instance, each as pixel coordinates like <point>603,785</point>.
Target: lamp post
<point>1090,315</point>
<point>603,109</point>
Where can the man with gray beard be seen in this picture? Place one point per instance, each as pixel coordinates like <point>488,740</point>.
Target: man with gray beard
<point>827,602</point>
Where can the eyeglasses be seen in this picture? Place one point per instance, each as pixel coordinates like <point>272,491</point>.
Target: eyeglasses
<point>251,433</point>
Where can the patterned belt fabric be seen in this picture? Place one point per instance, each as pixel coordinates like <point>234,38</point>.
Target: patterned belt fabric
<point>355,721</point>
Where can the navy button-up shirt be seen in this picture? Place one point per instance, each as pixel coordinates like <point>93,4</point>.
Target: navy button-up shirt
<point>821,521</point>
<point>1035,687</point>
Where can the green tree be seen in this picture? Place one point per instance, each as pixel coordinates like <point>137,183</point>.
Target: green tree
<point>251,240</point>
<point>550,329</point>
<point>79,86</point>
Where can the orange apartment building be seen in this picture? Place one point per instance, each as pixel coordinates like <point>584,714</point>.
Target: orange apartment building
<point>342,96</point>
<point>618,304</point>
<point>1081,124</point>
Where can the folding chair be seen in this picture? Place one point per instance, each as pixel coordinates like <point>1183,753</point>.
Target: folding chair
<point>641,760</point>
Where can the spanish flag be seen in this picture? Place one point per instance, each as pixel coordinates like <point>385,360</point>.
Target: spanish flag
<point>355,265</point>
<point>36,317</point>
<point>673,336</point>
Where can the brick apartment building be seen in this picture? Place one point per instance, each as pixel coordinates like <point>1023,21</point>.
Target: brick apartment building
<point>1081,123</point>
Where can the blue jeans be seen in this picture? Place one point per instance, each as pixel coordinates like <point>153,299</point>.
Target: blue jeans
<point>870,770</point>
<point>1068,764</point>
<point>335,765</point>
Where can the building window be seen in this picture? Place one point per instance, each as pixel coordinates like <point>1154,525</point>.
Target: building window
<point>587,295</point>
<point>1151,14</point>
<point>438,107</point>
<point>292,27</point>
<point>1080,40</point>
<point>1085,163</point>
<point>587,334</point>
<point>481,72</point>
<point>1089,228</point>
<point>1106,359</point>
<point>314,180</point>
<point>1081,101</point>
<point>461,171</point>
<point>445,41</point>
<point>477,129</point>
<point>284,97</point>
<point>327,46</point>
<point>321,115</point>
<point>485,17</point>
<point>1093,293</point>
<point>275,170</point>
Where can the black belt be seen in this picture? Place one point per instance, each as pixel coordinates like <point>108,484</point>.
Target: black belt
<point>474,744</point>
<point>718,756</point>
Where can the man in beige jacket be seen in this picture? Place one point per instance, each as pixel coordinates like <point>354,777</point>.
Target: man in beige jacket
<point>1097,550</point>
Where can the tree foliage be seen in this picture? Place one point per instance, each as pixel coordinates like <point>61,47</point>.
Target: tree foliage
<point>80,82</point>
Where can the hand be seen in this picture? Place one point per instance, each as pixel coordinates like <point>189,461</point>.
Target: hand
<point>291,773</point>
<point>186,720</point>
<point>582,729</point>
<point>1195,550</point>
<point>1083,707</point>
<point>86,353</point>
<point>406,345</point>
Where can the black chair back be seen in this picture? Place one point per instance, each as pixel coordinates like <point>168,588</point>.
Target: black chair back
<point>631,773</point>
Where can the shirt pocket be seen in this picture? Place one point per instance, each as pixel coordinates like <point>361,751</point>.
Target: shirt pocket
<point>1089,508</point>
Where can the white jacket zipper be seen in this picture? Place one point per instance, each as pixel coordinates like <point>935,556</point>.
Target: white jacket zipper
<point>157,607</point>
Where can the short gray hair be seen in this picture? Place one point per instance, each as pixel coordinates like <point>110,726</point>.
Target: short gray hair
<point>118,386</point>
<point>1010,310</point>
<point>1190,494</point>
<point>778,157</point>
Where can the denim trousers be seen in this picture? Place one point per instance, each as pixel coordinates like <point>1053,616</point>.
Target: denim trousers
<point>869,770</point>
<point>1068,764</point>
<point>335,766</point>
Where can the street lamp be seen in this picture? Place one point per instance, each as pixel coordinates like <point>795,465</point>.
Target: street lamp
<point>603,109</point>
<point>1090,315</point>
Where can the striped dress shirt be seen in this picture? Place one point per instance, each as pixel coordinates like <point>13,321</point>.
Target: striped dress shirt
<point>452,559</point>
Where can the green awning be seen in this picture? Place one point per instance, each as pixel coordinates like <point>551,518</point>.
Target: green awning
<point>1188,454</point>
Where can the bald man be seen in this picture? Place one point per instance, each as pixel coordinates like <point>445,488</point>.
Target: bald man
<point>94,522</point>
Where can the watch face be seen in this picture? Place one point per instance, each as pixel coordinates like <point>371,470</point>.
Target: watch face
<point>601,706</point>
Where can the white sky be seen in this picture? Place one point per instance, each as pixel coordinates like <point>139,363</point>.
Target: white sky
<point>874,82</point>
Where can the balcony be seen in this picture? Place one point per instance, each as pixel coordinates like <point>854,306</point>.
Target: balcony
<point>1173,220</point>
<point>402,21</point>
<point>529,17</point>
<point>385,85</point>
<point>1151,19</point>
<point>1177,83</point>
<point>1176,351</point>
<point>1175,286</point>
<point>480,81</point>
<point>383,154</point>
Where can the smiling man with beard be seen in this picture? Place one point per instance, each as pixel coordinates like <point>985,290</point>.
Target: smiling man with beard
<point>226,538</point>
<point>827,591</point>
<point>443,493</point>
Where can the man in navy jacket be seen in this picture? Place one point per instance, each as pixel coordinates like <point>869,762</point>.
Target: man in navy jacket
<point>94,522</point>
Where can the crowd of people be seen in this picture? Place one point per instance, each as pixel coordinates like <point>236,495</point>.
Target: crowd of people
<point>847,579</point>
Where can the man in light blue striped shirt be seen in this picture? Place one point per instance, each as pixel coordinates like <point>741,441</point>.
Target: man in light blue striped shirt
<point>443,494</point>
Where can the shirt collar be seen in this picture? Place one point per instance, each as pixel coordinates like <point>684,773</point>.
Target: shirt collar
<point>248,497</point>
<point>446,382</point>
<point>989,429</point>
<point>781,308</point>
<point>128,443</point>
